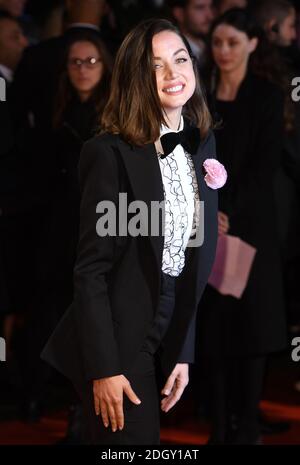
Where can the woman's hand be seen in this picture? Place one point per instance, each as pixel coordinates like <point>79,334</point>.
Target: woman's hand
<point>108,399</point>
<point>223,223</point>
<point>175,385</point>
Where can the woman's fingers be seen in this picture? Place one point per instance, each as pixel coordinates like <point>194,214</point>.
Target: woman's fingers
<point>131,394</point>
<point>175,385</point>
<point>223,217</point>
<point>112,417</point>
<point>166,390</point>
<point>223,223</point>
<point>169,402</point>
<point>119,416</point>
<point>111,413</point>
<point>96,405</point>
<point>104,414</point>
<point>223,228</point>
<point>108,400</point>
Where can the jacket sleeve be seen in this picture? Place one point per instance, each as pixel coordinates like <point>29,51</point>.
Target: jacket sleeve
<point>98,179</point>
<point>187,354</point>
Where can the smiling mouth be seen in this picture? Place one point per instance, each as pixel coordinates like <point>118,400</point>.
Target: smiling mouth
<point>174,89</point>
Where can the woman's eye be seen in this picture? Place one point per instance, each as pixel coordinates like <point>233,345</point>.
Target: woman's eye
<point>181,60</point>
<point>157,66</point>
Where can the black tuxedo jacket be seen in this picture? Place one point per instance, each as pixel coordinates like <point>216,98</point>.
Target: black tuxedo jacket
<point>117,279</point>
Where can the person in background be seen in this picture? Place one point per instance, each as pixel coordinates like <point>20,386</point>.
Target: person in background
<point>194,18</point>
<point>37,76</point>
<point>81,97</point>
<point>236,335</point>
<point>278,18</point>
<point>18,9</point>
<point>32,97</point>
<point>12,46</point>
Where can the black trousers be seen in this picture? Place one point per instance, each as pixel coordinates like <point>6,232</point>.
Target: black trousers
<point>235,388</point>
<point>141,422</point>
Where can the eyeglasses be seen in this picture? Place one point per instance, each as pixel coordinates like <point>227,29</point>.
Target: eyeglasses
<point>90,62</point>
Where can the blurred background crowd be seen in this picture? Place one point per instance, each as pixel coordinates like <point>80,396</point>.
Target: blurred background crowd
<point>56,57</point>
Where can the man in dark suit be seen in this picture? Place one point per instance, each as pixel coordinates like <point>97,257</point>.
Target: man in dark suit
<point>12,44</point>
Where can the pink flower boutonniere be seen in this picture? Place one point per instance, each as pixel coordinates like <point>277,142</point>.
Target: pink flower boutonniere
<point>216,174</point>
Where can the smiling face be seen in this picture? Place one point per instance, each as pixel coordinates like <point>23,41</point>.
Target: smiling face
<point>84,77</point>
<point>175,77</point>
<point>231,48</point>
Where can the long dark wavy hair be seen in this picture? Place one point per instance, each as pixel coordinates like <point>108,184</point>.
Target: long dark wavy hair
<point>264,61</point>
<point>66,91</point>
<point>134,109</point>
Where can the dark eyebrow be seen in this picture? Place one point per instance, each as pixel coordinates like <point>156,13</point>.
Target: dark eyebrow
<point>176,53</point>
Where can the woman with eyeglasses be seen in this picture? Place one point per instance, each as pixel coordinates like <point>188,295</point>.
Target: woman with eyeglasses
<point>81,97</point>
<point>141,265</point>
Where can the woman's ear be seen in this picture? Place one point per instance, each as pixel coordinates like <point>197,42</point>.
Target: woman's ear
<point>253,44</point>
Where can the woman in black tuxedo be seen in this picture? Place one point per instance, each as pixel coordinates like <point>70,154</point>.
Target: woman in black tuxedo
<point>136,293</point>
<point>237,334</point>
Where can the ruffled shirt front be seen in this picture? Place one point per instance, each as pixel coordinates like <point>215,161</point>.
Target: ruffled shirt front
<point>181,197</point>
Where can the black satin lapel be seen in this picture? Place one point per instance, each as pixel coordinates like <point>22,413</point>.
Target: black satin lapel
<point>198,160</point>
<point>144,175</point>
<point>193,252</point>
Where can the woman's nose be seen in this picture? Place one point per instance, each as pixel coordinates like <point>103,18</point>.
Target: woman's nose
<point>170,72</point>
<point>223,50</point>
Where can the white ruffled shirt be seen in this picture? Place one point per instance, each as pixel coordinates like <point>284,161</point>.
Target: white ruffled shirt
<point>181,196</point>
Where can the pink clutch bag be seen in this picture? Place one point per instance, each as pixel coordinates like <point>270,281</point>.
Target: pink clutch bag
<point>232,266</point>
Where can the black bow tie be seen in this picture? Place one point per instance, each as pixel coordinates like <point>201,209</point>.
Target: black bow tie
<point>189,138</point>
